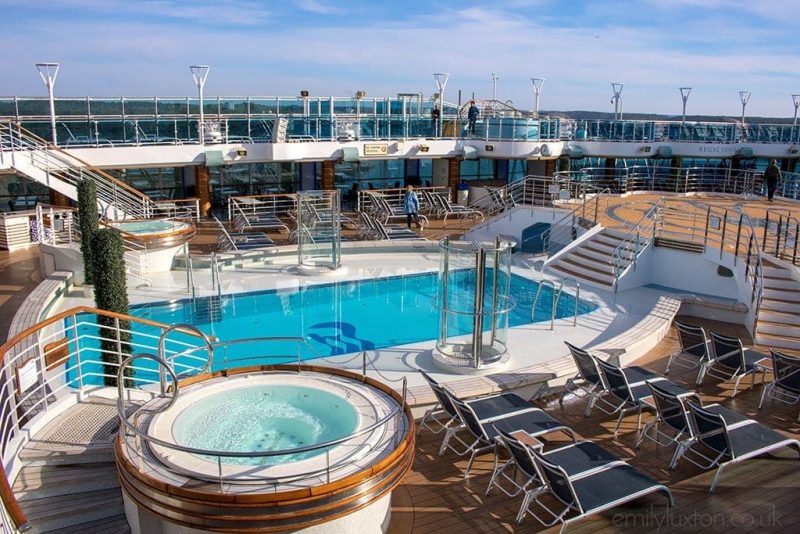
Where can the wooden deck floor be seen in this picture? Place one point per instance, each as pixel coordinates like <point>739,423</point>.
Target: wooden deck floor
<point>757,495</point>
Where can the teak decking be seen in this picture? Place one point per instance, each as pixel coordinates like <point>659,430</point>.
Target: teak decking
<point>756,495</point>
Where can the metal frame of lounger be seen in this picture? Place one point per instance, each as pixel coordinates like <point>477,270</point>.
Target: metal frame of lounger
<point>694,352</point>
<point>568,490</point>
<point>446,208</point>
<point>387,213</point>
<point>259,222</point>
<point>671,411</point>
<point>485,438</point>
<point>594,385</point>
<point>735,360</point>
<point>630,399</point>
<point>574,457</point>
<point>486,406</point>
<point>728,441</point>
<point>785,385</point>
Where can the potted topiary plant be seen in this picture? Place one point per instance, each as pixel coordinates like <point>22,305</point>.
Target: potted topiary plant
<point>87,218</point>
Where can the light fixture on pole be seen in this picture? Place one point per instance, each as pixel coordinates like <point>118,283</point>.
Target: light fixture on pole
<point>796,102</point>
<point>684,96</point>
<point>441,82</point>
<point>616,87</point>
<point>199,73</point>
<point>49,72</point>
<point>495,77</point>
<point>537,90</point>
<point>744,96</point>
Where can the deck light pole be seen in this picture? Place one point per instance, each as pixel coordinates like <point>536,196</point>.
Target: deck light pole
<point>199,74</point>
<point>49,73</point>
<point>441,82</point>
<point>495,77</point>
<point>796,102</point>
<point>684,96</point>
<point>537,90</point>
<point>616,87</point>
<point>744,96</point>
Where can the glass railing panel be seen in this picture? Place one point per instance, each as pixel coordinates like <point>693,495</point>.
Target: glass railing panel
<point>238,131</point>
<point>105,106</point>
<point>66,107</point>
<point>168,130</point>
<point>140,106</point>
<point>171,106</point>
<point>8,107</point>
<point>233,106</point>
<point>261,130</point>
<point>263,106</point>
<point>33,107</point>
<point>293,106</point>
<point>210,106</point>
<point>344,106</point>
<point>193,107</point>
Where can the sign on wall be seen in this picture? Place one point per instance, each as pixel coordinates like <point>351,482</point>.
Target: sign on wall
<point>376,149</point>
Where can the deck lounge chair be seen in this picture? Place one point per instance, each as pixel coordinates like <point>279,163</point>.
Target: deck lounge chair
<point>733,442</point>
<point>590,380</point>
<point>444,417</point>
<point>631,394</point>
<point>534,421</point>
<point>444,208</point>
<point>694,351</point>
<point>785,385</point>
<point>521,473</point>
<point>672,423</point>
<point>731,360</point>
<point>597,490</point>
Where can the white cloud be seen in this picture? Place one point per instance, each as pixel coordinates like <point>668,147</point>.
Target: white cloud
<point>318,6</point>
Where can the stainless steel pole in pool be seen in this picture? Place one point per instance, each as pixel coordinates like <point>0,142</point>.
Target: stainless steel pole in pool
<point>477,320</point>
<point>443,304</point>
<point>495,281</point>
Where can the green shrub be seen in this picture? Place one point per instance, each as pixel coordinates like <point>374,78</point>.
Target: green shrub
<point>111,294</point>
<point>87,216</point>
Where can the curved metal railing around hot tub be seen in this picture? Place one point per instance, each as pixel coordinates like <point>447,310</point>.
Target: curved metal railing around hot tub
<point>166,366</point>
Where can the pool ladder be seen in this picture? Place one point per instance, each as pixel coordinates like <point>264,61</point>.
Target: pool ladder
<point>557,291</point>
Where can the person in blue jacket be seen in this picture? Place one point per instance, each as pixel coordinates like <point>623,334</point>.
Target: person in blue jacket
<point>411,206</point>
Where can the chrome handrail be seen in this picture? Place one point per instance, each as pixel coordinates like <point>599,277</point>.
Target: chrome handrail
<point>162,379</point>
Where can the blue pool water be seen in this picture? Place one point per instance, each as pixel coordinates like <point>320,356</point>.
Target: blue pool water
<point>337,318</point>
<point>265,418</point>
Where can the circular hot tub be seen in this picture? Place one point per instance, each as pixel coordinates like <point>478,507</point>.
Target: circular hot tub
<point>158,240</point>
<point>273,449</point>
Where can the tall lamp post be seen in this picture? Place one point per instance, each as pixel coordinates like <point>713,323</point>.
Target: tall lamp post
<point>684,96</point>
<point>495,77</point>
<point>537,90</point>
<point>616,87</point>
<point>199,73</point>
<point>49,73</point>
<point>441,82</point>
<point>796,102</point>
<point>744,96</point>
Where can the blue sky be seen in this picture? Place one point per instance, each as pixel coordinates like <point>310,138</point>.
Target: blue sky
<point>144,47</point>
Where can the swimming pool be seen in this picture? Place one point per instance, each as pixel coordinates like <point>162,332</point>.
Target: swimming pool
<point>335,318</point>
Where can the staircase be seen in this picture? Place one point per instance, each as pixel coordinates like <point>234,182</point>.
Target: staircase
<point>779,319</point>
<point>68,482</point>
<point>593,261</point>
<point>33,157</point>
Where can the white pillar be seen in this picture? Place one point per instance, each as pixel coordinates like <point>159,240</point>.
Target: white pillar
<point>199,74</point>
<point>49,73</point>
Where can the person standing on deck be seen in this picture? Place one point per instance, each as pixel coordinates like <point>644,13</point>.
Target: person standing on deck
<point>435,113</point>
<point>472,116</point>
<point>772,175</point>
<point>411,207</point>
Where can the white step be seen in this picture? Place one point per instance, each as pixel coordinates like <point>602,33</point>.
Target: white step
<point>616,233</point>
<point>787,318</point>
<point>606,277</point>
<point>778,342</point>
<point>781,294</point>
<point>765,327</point>
<point>777,272</point>
<point>599,257</point>
<point>781,283</point>
<point>790,307</point>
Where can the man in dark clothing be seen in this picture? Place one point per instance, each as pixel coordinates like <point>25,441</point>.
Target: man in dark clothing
<point>472,115</point>
<point>772,175</point>
<point>435,120</point>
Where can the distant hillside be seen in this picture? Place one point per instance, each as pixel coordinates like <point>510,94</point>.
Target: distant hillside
<point>598,115</point>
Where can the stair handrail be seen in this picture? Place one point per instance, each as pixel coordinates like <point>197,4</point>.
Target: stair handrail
<point>115,191</point>
<point>645,228</point>
<point>782,231</point>
<point>559,227</point>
